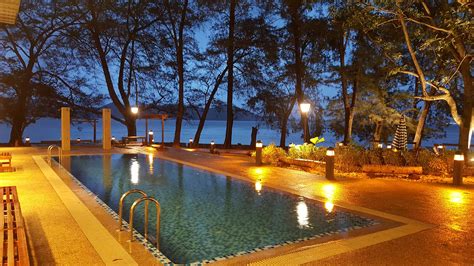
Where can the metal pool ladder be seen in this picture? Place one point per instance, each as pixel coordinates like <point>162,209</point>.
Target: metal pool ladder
<point>147,199</point>
<point>50,151</point>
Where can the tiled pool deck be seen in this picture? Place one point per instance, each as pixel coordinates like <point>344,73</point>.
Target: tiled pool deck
<point>444,235</point>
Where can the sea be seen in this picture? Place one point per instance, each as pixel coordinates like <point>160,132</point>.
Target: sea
<point>49,129</point>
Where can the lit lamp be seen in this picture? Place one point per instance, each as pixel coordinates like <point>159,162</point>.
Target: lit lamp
<point>440,148</point>
<point>304,107</point>
<point>27,141</point>
<point>150,137</point>
<point>134,110</point>
<point>212,148</point>
<point>389,146</point>
<point>340,144</point>
<point>190,144</point>
<point>258,186</point>
<point>380,145</point>
<point>330,163</point>
<point>457,168</point>
<point>258,152</point>
<point>78,140</point>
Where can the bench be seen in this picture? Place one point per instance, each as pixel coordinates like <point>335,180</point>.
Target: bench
<point>135,139</point>
<point>5,158</point>
<point>13,236</point>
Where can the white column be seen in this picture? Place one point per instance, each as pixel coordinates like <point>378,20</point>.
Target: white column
<point>66,128</point>
<point>106,130</point>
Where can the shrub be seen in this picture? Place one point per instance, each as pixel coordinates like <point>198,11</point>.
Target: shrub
<point>272,154</point>
<point>306,151</point>
<point>350,158</point>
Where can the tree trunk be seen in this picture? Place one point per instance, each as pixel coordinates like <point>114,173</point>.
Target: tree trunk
<point>299,71</point>
<point>19,116</point>
<point>465,127</point>
<point>230,76</point>
<point>284,129</point>
<point>131,126</point>
<point>421,125</point>
<point>253,137</point>
<point>202,119</point>
<point>16,133</point>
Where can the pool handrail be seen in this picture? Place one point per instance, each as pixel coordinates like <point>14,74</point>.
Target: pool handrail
<point>50,151</point>
<point>158,210</point>
<point>124,195</point>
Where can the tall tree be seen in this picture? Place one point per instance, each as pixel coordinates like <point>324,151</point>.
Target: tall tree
<point>230,75</point>
<point>443,30</point>
<point>38,69</point>
<point>177,19</point>
<point>115,35</point>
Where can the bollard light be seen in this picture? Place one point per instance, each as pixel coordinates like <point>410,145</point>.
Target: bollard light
<point>457,168</point>
<point>150,137</point>
<point>258,186</point>
<point>258,152</point>
<point>340,144</point>
<point>389,146</point>
<point>190,144</point>
<point>330,163</point>
<point>212,148</point>
<point>134,110</point>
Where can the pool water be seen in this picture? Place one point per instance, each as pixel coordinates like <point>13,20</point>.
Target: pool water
<point>206,215</point>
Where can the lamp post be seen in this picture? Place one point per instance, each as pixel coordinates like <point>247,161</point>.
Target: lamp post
<point>304,107</point>
<point>150,137</point>
<point>258,152</point>
<point>457,168</point>
<point>27,141</point>
<point>190,144</point>
<point>78,140</point>
<point>330,163</point>
<point>212,148</point>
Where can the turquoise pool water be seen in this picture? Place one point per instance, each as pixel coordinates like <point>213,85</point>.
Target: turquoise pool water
<point>206,215</point>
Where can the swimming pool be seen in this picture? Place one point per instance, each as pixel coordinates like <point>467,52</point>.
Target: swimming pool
<point>206,215</point>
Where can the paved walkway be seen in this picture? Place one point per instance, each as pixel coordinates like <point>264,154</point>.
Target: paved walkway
<point>53,235</point>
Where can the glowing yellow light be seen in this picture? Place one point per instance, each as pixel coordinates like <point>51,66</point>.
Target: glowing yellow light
<point>389,146</point>
<point>330,152</point>
<point>134,171</point>
<point>305,107</point>
<point>302,214</point>
<point>134,109</point>
<point>258,186</point>
<point>329,191</point>
<point>329,206</point>
<point>259,171</point>
<point>456,197</point>
<point>380,145</point>
<point>150,132</point>
<point>259,144</point>
<point>459,157</point>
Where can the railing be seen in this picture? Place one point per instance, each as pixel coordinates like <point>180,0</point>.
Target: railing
<point>121,203</point>
<point>158,209</point>
<point>50,151</point>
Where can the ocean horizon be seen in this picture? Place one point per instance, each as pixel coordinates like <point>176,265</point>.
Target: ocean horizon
<point>49,129</point>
